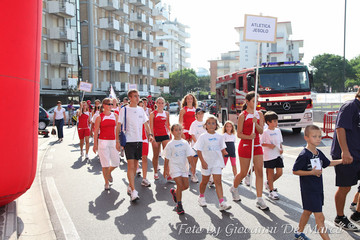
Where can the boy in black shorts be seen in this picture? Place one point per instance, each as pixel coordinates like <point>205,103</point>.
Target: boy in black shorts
<point>309,166</point>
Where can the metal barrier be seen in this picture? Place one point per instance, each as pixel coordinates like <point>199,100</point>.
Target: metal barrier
<point>329,121</point>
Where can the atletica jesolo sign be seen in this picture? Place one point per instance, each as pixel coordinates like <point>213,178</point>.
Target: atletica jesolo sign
<point>260,29</point>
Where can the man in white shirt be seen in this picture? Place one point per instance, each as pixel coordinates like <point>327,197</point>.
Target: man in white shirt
<point>135,118</point>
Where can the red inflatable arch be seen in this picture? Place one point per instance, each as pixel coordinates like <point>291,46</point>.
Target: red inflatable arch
<point>20,27</point>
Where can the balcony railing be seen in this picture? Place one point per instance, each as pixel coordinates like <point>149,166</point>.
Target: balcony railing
<point>160,13</point>
<point>63,58</point>
<point>148,6</point>
<point>160,30</point>
<point>110,24</point>
<point>109,5</point>
<point>138,2</point>
<point>111,46</point>
<point>62,8</point>
<point>125,48</point>
<point>161,44</point>
<point>123,9</point>
<point>125,67</point>
<point>138,35</point>
<point>62,34</point>
<point>124,29</point>
<point>110,66</point>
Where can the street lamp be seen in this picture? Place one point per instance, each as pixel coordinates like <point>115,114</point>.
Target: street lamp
<point>182,83</point>
<point>344,71</point>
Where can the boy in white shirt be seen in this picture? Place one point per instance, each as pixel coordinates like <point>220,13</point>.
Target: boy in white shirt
<point>196,129</point>
<point>271,140</point>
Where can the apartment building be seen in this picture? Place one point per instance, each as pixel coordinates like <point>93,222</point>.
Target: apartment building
<point>283,50</point>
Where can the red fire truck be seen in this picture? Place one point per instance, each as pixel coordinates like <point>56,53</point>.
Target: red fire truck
<point>284,87</point>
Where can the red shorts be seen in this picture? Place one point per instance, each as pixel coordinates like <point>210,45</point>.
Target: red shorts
<point>83,132</point>
<point>145,149</point>
<point>244,150</point>
<point>187,136</point>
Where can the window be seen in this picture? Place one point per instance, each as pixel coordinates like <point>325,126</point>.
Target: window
<point>250,83</point>
<point>240,83</point>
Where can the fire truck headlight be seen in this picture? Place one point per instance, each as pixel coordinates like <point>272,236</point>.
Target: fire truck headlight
<point>308,115</point>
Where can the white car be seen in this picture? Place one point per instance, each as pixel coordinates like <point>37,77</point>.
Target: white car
<point>51,112</point>
<point>173,107</point>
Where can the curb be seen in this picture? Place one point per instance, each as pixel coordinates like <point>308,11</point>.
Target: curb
<point>8,222</point>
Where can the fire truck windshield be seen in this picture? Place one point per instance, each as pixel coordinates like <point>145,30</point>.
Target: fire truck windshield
<point>275,82</point>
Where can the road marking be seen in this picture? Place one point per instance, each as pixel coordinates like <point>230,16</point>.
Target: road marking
<point>48,166</point>
<point>63,215</point>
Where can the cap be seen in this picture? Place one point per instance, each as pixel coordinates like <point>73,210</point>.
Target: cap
<point>149,96</point>
<point>88,102</point>
<point>199,109</point>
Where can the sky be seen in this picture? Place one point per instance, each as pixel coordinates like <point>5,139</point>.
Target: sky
<point>320,23</point>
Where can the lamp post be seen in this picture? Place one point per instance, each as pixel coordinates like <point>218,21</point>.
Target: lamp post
<point>182,82</point>
<point>344,71</point>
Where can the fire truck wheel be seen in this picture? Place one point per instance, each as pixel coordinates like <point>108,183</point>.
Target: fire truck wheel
<point>296,130</point>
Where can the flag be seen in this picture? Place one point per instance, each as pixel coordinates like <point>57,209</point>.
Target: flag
<point>112,92</point>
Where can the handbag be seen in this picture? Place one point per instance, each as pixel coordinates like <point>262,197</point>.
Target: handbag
<point>122,136</point>
<point>53,131</point>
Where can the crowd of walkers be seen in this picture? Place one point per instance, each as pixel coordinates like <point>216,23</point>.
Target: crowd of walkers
<point>140,122</point>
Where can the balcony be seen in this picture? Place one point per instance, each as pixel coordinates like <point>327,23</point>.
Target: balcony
<point>150,55</point>
<point>110,24</point>
<point>109,5</point>
<point>105,86</point>
<point>125,48</point>
<point>63,59</point>
<point>134,52</point>
<point>143,53</point>
<point>125,67</point>
<point>56,83</point>
<point>139,3</point>
<point>143,88</point>
<point>110,66</point>
<point>160,30</point>
<point>154,89</point>
<point>150,38</point>
<point>161,45</point>
<point>109,45</point>
<point>124,29</point>
<point>149,22</point>
<point>62,8</point>
<point>151,72</point>
<point>160,14</point>
<point>134,70</point>
<point>161,74</point>
<point>122,10</point>
<point>138,35</point>
<point>161,59</point>
<point>138,18</point>
<point>62,34</point>
<point>148,6</point>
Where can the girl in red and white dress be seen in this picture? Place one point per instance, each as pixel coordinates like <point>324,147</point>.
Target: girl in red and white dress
<point>83,116</point>
<point>160,128</point>
<point>105,142</point>
<point>187,114</point>
<point>244,132</point>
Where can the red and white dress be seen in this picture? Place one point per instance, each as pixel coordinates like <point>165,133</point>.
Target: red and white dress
<point>245,145</point>
<point>188,119</point>
<point>83,125</point>
<point>109,156</point>
<point>159,124</point>
<point>145,145</point>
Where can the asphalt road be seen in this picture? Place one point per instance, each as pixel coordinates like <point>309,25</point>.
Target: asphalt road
<point>81,209</point>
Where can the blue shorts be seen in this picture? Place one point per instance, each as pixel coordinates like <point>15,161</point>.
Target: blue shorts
<point>312,201</point>
<point>347,175</point>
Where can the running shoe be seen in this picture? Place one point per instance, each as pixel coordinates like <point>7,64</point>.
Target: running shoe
<point>156,176</point>
<point>223,206</point>
<point>129,191</point>
<point>202,202</point>
<point>179,209</point>
<point>173,193</point>
<point>355,217</point>
<point>301,236</point>
<point>273,195</point>
<point>138,171</point>
<point>134,195</point>
<point>353,207</point>
<point>145,182</point>
<point>107,187</point>
<point>344,223</point>
<point>86,156</point>
<point>260,203</point>
<point>266,184</point>
<point>235,194</point>
<point>247,180</point>
<point>194,179</point>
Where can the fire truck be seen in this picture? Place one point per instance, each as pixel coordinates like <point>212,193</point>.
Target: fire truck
<point>283,87</point>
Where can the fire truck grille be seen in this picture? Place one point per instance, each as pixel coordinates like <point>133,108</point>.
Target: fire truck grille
<point>286,107</point>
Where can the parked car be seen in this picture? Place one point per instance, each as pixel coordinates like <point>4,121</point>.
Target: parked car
<point>43,118</point>
<point>51,112</point>
<point>213,109</point>
<point>173,107</point>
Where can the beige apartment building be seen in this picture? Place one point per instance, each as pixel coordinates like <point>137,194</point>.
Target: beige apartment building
<point>108,42</point>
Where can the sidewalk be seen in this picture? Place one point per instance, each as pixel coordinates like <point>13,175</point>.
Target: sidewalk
<point>8,223</point>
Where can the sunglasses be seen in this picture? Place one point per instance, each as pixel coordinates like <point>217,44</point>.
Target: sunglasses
<point>109,104</point>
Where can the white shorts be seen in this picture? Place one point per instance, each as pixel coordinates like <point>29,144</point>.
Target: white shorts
<point>109,156</point>
<point>179,174</point>
<point>210,171</point>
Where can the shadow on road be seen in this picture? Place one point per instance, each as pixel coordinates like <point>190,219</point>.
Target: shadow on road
<point>104,204</point>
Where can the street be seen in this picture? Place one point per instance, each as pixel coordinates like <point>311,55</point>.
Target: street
<point>79,207</point>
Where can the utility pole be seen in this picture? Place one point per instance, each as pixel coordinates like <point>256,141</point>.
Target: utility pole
<point>344,70</point>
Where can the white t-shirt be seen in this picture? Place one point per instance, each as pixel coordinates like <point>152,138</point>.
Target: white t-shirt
<point>210,146</point>
<point>271,137</point>
<point>59,113</point>
<point>135,118</point>
<point>229,137</point>
<point>196,128</point>
<point>177,152</point>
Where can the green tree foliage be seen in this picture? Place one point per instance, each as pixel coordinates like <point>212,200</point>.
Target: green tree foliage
<point>204,83</point>
<point>350,83</point>
<point>329,72</point>
<point>187,77</point>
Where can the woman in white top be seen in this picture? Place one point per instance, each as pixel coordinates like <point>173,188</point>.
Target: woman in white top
<point>59,119</point>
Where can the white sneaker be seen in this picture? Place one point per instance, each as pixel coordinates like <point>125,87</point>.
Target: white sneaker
<point>266,185</point>
<point>134,196</point>
<point>235,194</point>
<point>86,156</point>
<point>202,202</point>
<point>353,207</point>
<point>273,195</point>
<point>129,191</point>
<point>247,180</point>
<point>223,206</point>
<point>156,176</point>
<point>138,171</point>
<point>261,204</point>
<point>194,179</point>
<point>145,182</point>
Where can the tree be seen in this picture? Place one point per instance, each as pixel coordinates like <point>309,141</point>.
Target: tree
<point>329,72</point>
<point>204,83</point>
<point>355,64</point>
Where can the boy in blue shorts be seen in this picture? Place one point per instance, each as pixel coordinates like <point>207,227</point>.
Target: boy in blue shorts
<point>309,166</point>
